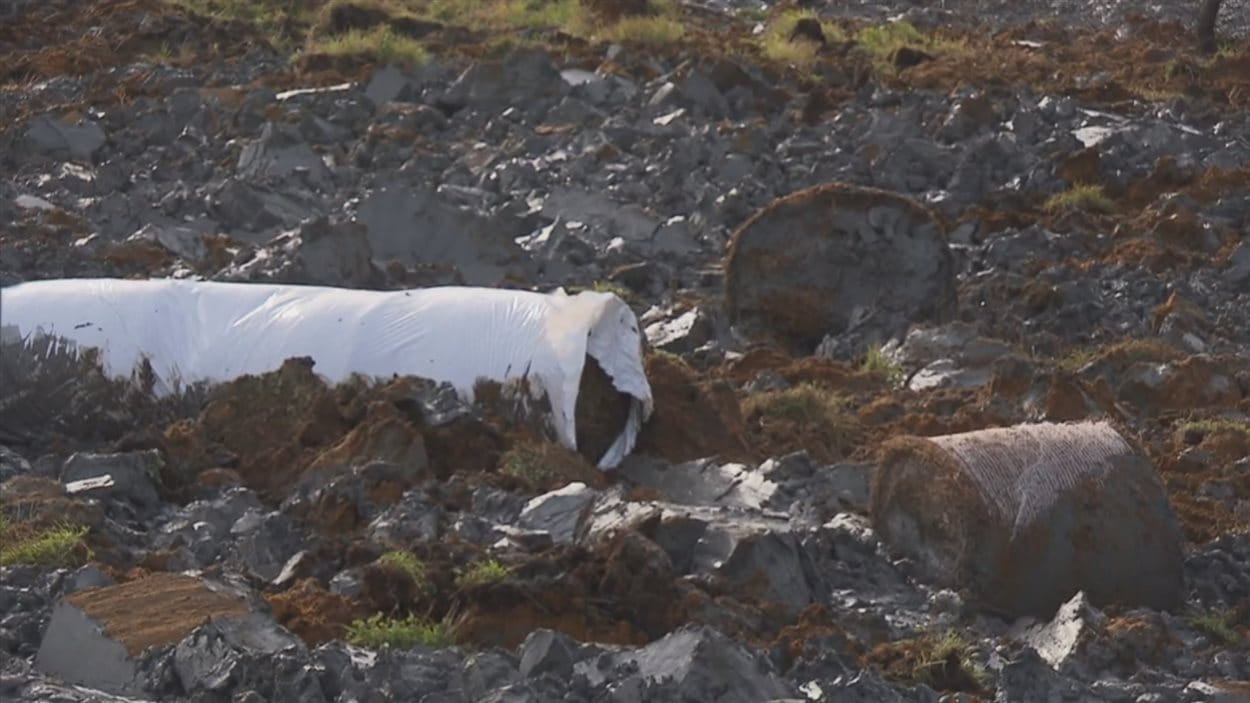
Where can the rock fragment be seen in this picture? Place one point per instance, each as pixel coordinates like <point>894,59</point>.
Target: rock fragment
<point>693,663</point>
<point>65,140</point>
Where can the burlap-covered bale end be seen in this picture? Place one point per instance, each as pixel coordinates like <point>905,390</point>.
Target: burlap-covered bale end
<point>834,257</point>
<point>1024,517</point>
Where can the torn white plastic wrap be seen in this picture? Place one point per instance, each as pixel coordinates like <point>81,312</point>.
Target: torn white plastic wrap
<point>191,331</point>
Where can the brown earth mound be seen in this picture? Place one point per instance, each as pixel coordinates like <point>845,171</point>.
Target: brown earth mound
<point>692,419</point>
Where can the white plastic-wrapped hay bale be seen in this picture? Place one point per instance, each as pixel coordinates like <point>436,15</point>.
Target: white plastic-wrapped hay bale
<point>1024,517</point>
<point>193,331</point>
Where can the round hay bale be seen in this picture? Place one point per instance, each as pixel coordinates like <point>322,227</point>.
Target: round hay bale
<point>1024,517</point>
<point>824,259</point>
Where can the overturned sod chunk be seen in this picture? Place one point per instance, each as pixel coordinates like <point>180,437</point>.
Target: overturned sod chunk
<point>96,637</point>
<point>1026,516</point>
<point>837,257</point>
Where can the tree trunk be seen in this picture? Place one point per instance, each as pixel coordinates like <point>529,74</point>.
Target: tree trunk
<point>1206,25</point>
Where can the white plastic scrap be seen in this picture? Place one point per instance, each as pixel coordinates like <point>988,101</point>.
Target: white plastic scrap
<point>191,331</point>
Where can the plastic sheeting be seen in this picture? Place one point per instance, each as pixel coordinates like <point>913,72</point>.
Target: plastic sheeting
<point>192,331</point>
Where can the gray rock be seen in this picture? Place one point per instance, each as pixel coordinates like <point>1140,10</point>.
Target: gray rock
<point>183,241</point>
<point>238,654</point>
<point>12,464</point>
<point>55,138</point>
<point>1058,641</point>
<point>1027,677</point>
<point>418,228</point>
<point>417,674</point>
<point>525,77</point>
<point>323,251</point>
<point>751,551</point>
<point>957,341</point>
<point>488,671</point>
<point>864,686</point>
<point>347,583</point>
<point>264,542</point>
<point>87,577</point>
<point>354,486</point>
<point>132,477</point>
<point>562,513</point>
<point>947,373</point>
<point>693,663</point>
<point>604,218</point>
<point>703,482</point>
<point>387,84</point>
<point>548,652</point>
<point>280,153</point>
<point>413,517</point>
<point>251,208</point>
<point>682,334</point>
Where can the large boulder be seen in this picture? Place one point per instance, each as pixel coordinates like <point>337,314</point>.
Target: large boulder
<point>1025,517</point>
<point>835,258</point>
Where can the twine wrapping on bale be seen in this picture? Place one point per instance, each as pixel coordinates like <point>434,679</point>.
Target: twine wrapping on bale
<point>1024,517</point>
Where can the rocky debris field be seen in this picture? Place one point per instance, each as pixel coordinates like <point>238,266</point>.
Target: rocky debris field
<point>865,239</point>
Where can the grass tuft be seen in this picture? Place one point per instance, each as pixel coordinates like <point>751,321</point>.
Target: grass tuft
<point>810,408</point>
<point>876,363</point>
<point>776,44</point>
<point>1082,196</point>
<point>54,547</point>
<point>378,631</point>
<point>942,662</point>
<point>805,403</point>
<point>405,562</point>
<point>655,31</point>
<point>880,42</point>
<point>482,573</point>
<point>1212,425</point>
<point>378,43</point>
<point>1217,626</point>
<point>530,463</point>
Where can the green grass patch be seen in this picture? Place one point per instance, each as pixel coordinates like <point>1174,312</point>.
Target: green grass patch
<point>380,44</point>
<point>655,31</point>
<point>378,631</point>
<point>809,407</point>
<point>806,403</point>
<point>61,545</point>
<point>943,662</point>
<point>876,363</point>
<point>1208,426</point>
<point>1217,626</point>
<point>529,463</point>
<point>671,358</point>
<point>776,45</point>
<point>273,18</point>
<point>406,562</point>
<point>1082,196</point>
<point>1119,354</point>
<point>882,40</point>
<point>482,573</point>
